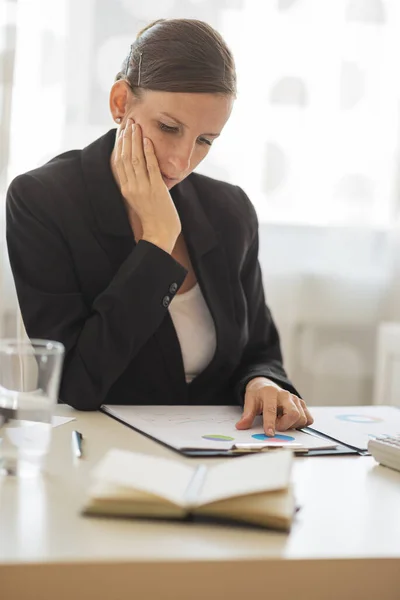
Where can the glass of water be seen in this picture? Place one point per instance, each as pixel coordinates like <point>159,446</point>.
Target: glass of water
<point>30,374</point>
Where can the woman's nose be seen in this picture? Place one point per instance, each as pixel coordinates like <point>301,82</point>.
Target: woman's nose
<point>180,157</point>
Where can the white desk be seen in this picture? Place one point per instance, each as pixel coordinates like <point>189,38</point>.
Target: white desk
<point>345,542</point>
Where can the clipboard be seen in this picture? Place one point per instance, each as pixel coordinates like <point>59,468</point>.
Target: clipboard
<point>234,451</point>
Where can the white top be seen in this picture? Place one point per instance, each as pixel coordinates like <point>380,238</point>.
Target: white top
<point>195,330</point>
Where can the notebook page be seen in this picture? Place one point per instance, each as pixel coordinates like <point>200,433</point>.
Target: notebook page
<point>165,478</point>
<point>248,475</point>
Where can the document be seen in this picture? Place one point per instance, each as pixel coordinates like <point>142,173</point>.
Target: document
<point>356,425</point>
<point>205,427</point>
<point>56,421</point>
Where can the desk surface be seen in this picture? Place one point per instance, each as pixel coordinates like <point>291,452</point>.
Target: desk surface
<point>350,509</point>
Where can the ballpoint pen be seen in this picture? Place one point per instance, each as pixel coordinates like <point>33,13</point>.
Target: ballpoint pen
<point>265,446</point>
<point>247,448</point>
<point>77,439</point>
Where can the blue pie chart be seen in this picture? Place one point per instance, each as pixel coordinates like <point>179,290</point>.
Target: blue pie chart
<point>276,438</point>
<point>359,418</point>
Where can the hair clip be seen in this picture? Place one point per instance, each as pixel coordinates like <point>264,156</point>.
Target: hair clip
<point>128,62</point>
<point>140,65</point>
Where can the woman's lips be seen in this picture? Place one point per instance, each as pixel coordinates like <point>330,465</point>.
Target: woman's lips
<point>169,180</point>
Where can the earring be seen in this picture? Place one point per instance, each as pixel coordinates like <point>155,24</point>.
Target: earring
<point>118,119</point>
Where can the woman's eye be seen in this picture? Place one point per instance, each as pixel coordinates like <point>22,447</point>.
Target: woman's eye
<point>167,128</point>
<point>170,129</point>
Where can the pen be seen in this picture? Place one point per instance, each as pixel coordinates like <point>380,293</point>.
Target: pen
<point>264,447</point>
<point>246,448</point>
<point>77,439</point>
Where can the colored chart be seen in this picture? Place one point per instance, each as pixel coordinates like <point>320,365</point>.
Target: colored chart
<point>277,438</point>
<point>217,438</point>
<point>359,418</point>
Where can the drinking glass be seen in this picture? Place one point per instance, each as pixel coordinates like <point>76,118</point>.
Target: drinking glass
<point>30,374</point>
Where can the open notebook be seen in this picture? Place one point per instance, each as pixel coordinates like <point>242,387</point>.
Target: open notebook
<point>255,489</point>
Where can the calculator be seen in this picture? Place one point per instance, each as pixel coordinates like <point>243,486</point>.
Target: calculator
<point>386,450</point>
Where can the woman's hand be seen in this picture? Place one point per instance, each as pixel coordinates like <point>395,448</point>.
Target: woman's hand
<point>281,410</point>
<point>143,187</point>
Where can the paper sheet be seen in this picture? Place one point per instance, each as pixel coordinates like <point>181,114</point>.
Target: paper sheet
<point>204,427</point>
<point>56,421</point>
<point>355,425</point>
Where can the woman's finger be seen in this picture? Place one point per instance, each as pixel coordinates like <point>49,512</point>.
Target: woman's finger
<point>251,409</point>
<point>118,163</point>
<point>302,421</point>
<point>126,152</point>
<point>153,168</point>
<point>138,158</point>
<point>310,420</point>
<point>269,396</point>
<point>290,413</point>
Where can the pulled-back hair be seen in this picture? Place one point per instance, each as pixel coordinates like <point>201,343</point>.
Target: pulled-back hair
<point>180,55</point>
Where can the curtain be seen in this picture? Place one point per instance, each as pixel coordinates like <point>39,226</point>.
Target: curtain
<point>8,29</point>
<point>313,140</point>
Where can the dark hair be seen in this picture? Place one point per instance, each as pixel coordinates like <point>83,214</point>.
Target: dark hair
<point>180,55</point>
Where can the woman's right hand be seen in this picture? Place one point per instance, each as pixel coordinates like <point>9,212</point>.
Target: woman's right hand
<point>144,189</point>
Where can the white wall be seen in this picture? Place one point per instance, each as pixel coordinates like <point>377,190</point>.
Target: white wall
<point>327,288</point>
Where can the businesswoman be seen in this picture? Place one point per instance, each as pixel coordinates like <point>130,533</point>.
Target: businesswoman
<point>147,272</point>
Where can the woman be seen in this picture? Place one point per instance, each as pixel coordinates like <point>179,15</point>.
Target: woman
<point>146,272</point>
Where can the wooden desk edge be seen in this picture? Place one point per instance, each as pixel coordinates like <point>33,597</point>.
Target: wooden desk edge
<point>195,580</point>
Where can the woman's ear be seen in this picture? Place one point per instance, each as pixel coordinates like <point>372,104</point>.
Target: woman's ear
<point>119,100</point>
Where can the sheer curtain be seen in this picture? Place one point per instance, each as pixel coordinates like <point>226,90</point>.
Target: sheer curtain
<point>313,140</point>
<point>8,28</point>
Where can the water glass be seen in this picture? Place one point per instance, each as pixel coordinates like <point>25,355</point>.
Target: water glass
<point>30,374</point>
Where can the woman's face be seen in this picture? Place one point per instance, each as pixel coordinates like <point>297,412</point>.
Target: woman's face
<point>181,126</point>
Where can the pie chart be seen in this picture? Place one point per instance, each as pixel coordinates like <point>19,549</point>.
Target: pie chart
<point>215,437</point>
<point>276,438</point>
<point>359,418</point>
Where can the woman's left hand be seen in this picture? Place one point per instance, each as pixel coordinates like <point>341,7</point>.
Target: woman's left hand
<point>280,409</point>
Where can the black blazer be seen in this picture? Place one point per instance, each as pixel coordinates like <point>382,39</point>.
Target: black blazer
<point>82,280</point>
